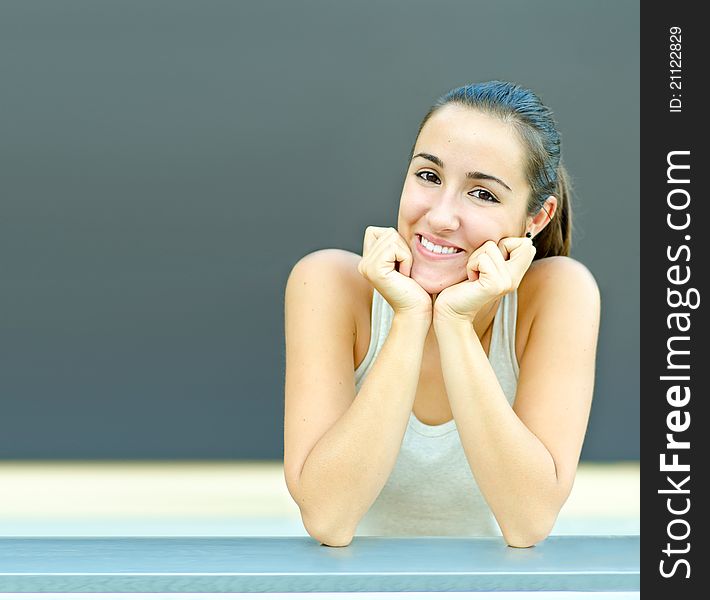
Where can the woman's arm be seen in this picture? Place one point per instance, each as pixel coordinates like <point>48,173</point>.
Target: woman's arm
<point>348,467</point>
<point>524,457</point>
<point>340,445</point>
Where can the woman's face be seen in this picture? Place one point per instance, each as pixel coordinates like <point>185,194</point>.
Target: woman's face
<point>469,188</point>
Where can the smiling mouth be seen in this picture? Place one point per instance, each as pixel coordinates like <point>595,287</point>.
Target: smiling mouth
<point>431,253</point>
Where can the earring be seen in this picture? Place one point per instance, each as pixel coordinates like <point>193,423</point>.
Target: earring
<point>528,234</point>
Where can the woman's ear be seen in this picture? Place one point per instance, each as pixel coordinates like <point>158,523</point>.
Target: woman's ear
<point>543,216</point>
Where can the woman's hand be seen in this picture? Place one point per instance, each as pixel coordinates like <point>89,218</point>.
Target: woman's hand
<point>493,270</point>
<point>383,247</point>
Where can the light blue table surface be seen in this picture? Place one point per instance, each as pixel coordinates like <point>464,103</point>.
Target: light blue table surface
<point>301,564</point>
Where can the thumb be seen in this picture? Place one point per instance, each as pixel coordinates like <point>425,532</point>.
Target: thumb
<point>404,258</point>
<point>510,244</point>
<point>503,249</point>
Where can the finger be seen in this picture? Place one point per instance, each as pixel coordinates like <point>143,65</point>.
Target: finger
<point>497,258</point>
<point>521,250</point>
<point>486,246</point>
<point>383,233</point>
<point>472,262</point>
<point>401,250</point>
<point>372,235</point>
<point>391,249</point>
<point>478,265</point>
<point>403,254</point>
<point>511,244</point>
<point>491,249</point>
<point>377,239</point>
<point>472,269</point>
<point>380,249</point>
<point>486,266</point>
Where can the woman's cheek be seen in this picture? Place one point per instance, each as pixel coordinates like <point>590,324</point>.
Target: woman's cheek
<point>416,204</point>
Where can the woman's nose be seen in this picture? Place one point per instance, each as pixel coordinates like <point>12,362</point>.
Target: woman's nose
<point>443,214</point>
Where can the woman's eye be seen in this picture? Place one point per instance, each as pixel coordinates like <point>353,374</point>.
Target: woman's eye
<point>487,196</point>
<point>425,173</point>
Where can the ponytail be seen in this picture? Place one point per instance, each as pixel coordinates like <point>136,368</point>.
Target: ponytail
<point>555,239</point>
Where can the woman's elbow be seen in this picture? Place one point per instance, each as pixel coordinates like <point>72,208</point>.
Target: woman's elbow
<point>529,537</point>
<point>335,541</point>
<point>524,541</point>
<point>328,537</point>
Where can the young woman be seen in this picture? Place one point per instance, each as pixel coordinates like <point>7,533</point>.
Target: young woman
<point>441,383</point>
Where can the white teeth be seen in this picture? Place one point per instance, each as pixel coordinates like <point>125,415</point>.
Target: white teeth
<point>436,248</point>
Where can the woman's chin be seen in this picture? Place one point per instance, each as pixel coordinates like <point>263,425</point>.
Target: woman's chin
<point>435,287</point>
<point>435,278</point>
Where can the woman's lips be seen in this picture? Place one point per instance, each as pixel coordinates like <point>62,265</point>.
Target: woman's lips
<point>433,255</point>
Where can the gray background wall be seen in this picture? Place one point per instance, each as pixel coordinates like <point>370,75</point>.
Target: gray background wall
<point>165,163</point>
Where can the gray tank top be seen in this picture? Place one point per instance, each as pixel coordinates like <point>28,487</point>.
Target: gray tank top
<point>431,490</point>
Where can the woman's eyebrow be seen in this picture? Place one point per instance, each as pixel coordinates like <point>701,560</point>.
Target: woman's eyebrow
<point>472,175</point>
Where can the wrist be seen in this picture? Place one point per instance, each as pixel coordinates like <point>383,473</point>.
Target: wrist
<point>413,321</point>
<point>444,327</point>
<point>444,318</point>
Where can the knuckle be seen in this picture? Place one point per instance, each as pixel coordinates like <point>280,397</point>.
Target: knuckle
<point>361,267</point>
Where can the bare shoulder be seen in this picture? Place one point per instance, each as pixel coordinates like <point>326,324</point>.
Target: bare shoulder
<point>329,263</point>
<point>342,262</point>
<point>332,257</point>
<point>559,271</point>
<point>554,280</point>
<point>553,286</point>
